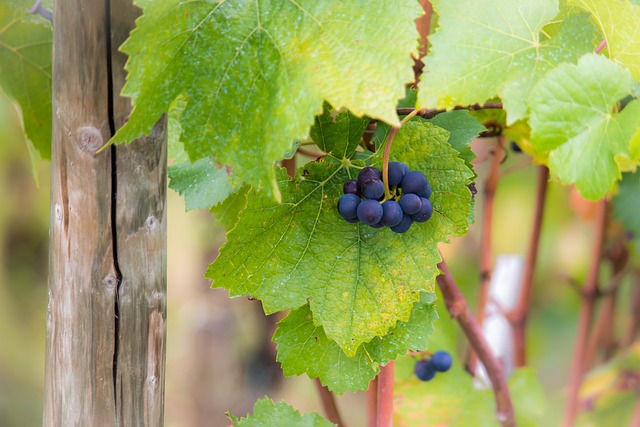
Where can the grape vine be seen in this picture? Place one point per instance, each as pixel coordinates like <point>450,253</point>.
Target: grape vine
<point>346,246</point>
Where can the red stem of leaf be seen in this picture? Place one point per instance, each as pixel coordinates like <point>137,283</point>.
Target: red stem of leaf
<point>635,419</point>
<point>601,46</point>
<point>329,404</point>
<point>590,293</point>
<point>384,416</point>
<point>459,310</point>
<point>521,313</point>
<point>372,403</point>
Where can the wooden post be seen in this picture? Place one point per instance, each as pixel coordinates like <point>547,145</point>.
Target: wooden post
<point>105,349</point>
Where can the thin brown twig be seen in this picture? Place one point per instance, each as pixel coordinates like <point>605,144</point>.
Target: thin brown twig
<point>459,310</point>
<point>590,291</point>
<point>520,315</point>
<point>633,323</point>
<point>384,404</point>
<point>329,404</point>
<point>431,113</point>
<point>486,255</point>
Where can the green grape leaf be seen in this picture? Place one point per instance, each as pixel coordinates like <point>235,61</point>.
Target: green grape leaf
<point>338,132</point>
<point>227,212</point>
<point>573,118</point>
<point>266,413</point>
<point>619,22</point>
<point>25,71</point>
<point>359,281</point>
<point>304,348</point>
<point>202,184</point>
<point>256,74</point>
<point>463,127</point>
<point>496,47</point>
<point>626,205</point>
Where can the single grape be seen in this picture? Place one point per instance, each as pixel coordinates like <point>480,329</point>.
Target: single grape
<point>368,173</point>
<point>369,211</point>
<point>415,182</point>
<point>515,147</point>
<point>441,361</point>
<point>373,189</point>
<point>351,187</point>
<point>424,370</point>
<point>396,172</point>
<point>410,203</point>
<point>391,213</point>
<point>425,212</point>
<point>348,207</point>
<point>404,224</point>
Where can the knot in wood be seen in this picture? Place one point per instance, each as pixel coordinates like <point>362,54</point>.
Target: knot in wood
<point>90,139</point>
<point>150,223</point>
<point>110,282</point>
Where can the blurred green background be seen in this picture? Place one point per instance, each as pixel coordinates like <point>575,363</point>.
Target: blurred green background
<point>219,355</point>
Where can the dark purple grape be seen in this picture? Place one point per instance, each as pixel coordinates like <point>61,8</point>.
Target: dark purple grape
<point>391,213</point>
<point>515,147</point>
<point>415,182</point>
<point>424,370</point>
<point>351,187</point>
<point>369,211</point>
<point>404,224</point>
<point>410,203</point>
<point>425,212</point>
<point>368,173</point>
<point>348,207</point>
<point>373,189</point>
<point>441,361</point>
<point>396,172</point>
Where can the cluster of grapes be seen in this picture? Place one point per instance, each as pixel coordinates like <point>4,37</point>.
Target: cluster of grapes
<point>409,201</point>
<point>426,369</point>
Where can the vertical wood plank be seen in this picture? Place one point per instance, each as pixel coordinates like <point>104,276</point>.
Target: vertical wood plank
<point>141,249</point>
<point>82,279</point>
<point>106,323</point>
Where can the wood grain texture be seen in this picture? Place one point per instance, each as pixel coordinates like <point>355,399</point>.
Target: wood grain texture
<point>106,320</point>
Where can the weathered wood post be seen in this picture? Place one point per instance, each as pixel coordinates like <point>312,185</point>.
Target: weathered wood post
<point>105,353</point>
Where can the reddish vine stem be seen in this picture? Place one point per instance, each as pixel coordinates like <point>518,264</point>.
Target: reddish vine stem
<point>459,310</point>
<point>586,313</point>
<point>520,315</point>
<point>329,404</point>
<point>372,402</point>
<point>384,404</point>
<point>290,166</point>
<point>486,256</point>
<point>602,337</point>
<point>423,25</point>
<point>601,46</point>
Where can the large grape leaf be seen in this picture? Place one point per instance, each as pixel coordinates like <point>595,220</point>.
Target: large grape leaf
<point>573,118</point>
<point>25,71</point>
<point>626,205</point>
<point>497,47</point>
<point>619,21</point>
<point>268,414</point>
<point>304,348</point>
<point>359,281</point>
<point>256,73</point>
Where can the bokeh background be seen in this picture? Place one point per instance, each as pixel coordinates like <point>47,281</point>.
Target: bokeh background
<point>219,353</point>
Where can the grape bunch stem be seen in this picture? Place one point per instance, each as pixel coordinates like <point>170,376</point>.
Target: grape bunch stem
<point>387,153</point>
